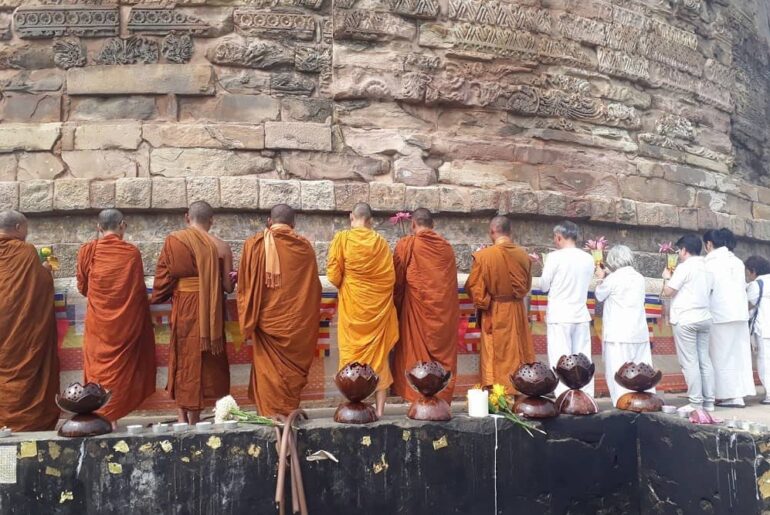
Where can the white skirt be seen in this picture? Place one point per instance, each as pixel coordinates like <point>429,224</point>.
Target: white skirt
<point>618,354</point>
<point>730,351</point>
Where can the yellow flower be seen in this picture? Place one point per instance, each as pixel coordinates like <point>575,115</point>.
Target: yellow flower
<point>46,251</point>
<point>494,401</point>
<point>498,390</point>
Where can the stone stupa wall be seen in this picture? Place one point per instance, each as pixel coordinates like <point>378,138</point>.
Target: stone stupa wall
<point>638,118</point>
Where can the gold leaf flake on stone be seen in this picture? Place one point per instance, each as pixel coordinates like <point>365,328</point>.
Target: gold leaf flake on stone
<point>52,471</point>
<point>146,448</point>
<point>54,450</point>
<point>115,468</point>
<point>27,449</point>
<point>166,446</point>
<point>66,496</point>
<point>185,459</point>
<point>214,442</point>
<point>406,435</point>
<point>197,453</point>
<point>764,484</point>
<point>440,443</point>
<point>121,446</point>
<point>381,465</point>
<point>254,450</point>
<point>366,441</point>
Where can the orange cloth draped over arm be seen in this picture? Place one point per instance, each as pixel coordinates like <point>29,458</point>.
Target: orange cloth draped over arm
<point>360,265</point>
<point>119,341</point>
<point>499,281</point>
<point>426,298</point>
<point>281,322</point>
<point>29,361</point>
<point>195,376</point>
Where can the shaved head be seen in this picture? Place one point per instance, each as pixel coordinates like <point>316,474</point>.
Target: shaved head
<point>500,225</point>
<point>10,220</point>
<point>110,220</point>
<point>200,212</point>
<point>422,218</point>
<point>362,211</point>
<point>282,214</point>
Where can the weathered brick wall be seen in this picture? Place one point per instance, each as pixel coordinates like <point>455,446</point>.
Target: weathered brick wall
<point>638,117</point>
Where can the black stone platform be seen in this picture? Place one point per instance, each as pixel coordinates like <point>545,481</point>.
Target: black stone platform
<point>612,463</point>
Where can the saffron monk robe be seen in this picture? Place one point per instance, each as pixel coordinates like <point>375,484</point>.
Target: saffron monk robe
<point>426,300</point>
<point>119,341</point>
<point>29,362</point>
<point>499,281</point>
<point>360,265</point>
<point>193,271</point>
<point>279,306</point>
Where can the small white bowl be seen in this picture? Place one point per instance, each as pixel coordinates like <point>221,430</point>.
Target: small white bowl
<point>181,426</point>
<point>744,424</point>
<point>667,408</point>
<point>203,426</point>
<point>756,427</point>
<point>159,428</point>
<point>229,424</point>
<point>732,423</point>
<point>5,432</point>
<point>135,429</point>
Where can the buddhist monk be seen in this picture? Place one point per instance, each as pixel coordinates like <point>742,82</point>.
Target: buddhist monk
<point>193,271</point>
<point>29,361</point>
<point>360,265</point>
<point>118,342</point>
<point>279,306</point>
<point>426,300</point>
<point>499,281</point>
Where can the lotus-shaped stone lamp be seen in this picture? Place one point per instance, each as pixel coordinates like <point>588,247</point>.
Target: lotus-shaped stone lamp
<point>83,400</point>
<point>575,371</point>
<point>638,378</point>
<point>356,382</point>
<point>534,380</point>
<point>428,379</point>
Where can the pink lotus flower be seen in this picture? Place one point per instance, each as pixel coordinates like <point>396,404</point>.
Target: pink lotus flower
<point>234,276</point>
<point>666,248</point>
<point>401,216</point>
<point>700,416</point>
<point>534,257</point>
<point>598,244</point>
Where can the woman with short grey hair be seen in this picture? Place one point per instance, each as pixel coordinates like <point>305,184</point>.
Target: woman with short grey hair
<point>625,334</point>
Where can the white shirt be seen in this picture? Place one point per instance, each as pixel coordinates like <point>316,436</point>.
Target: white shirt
<point>624,319</point>
<point>566,277</point>
<point>692,283</point>
<point>728,296</point>
<point>762,326</point>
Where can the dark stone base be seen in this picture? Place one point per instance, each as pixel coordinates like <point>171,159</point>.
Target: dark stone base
<point>611,463</point>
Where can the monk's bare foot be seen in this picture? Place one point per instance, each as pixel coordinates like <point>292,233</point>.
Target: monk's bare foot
<point>182,416</point>
<point>114,426</point>
<point>194,417</point>
<point>380,397</point>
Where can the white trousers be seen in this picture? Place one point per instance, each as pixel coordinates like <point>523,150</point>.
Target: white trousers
<point>692,350</point>
<point>763,362</point>
<point>566,339</point>
<point>618,354</point>
<point>730,351</point>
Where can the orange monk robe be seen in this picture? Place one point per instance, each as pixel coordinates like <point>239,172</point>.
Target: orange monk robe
<point>360,265</point>
<point>194,375</point>
<point>282,322</point>
<point>29,361</point>
<point>426,300</point>
<point>499,281</point>
<point>118,342</point>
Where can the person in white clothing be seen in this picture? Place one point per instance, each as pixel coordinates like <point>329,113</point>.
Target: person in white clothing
<point>625,335</point>
<point>690,318</point>
<point>730,346</point>
<point>567,274</point>
<point>758,291</point>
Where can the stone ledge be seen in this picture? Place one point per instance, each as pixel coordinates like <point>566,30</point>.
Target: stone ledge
<point>154,79</point>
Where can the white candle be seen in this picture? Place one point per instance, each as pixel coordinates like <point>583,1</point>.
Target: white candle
<point>478,403</point>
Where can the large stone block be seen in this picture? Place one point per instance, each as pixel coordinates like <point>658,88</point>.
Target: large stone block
<point>71,194</point>
<point>113,108</point>
<point>231,136</point>
<point>180,162</point>
<point>648,189</point>
<point>476,173</point>
<point>518,200</point>
<point>375,141</point>
<point>428,198</point>
<point>657,215</point>
<point>314,165</point>
<point>103,164</point>
<point>317,195</point>
<point>203,188</point>
<point>39,165</point>
<point>298,136</point>
<point>154,79</point>
<point>274,191</point>
<point>100,136</point>
<point>230,108</point>
<point>306,110</point>
<point>239,192</point>
<point>25,108</point>
<point>9,195</point>
<point>169,193</point>
<point>347,195</point>
<point>36,196</point>
<point>8,166</point>
<point>412,170</point>
<point>22,136</point>
<point>102,194</point>
<point>385,196</point>
<point>133,193</point>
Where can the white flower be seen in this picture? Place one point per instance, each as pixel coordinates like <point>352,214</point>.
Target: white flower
<point>222,409</point>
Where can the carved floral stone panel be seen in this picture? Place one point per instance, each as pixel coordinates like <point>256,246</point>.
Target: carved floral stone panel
<point>49,21</point>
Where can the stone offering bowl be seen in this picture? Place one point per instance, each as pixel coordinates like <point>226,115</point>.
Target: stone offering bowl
<point>575,370</point>
<point>534,379</point>
<point>83,399</point>
<point>428,379</point>
<point>356,382</point>
<point>637,377</point>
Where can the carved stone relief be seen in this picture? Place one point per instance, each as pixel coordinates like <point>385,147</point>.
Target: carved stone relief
<point>177,48</point>
<point>69,53</point>
<point>158,21</point>
<point>250,22</point>
<point>133,50</point>
<point>42,22</point>
<point>500,14</point>
<point>291,84</point>
<point>417,8</point>
<point>251,54</point>
<point>368,25</point>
